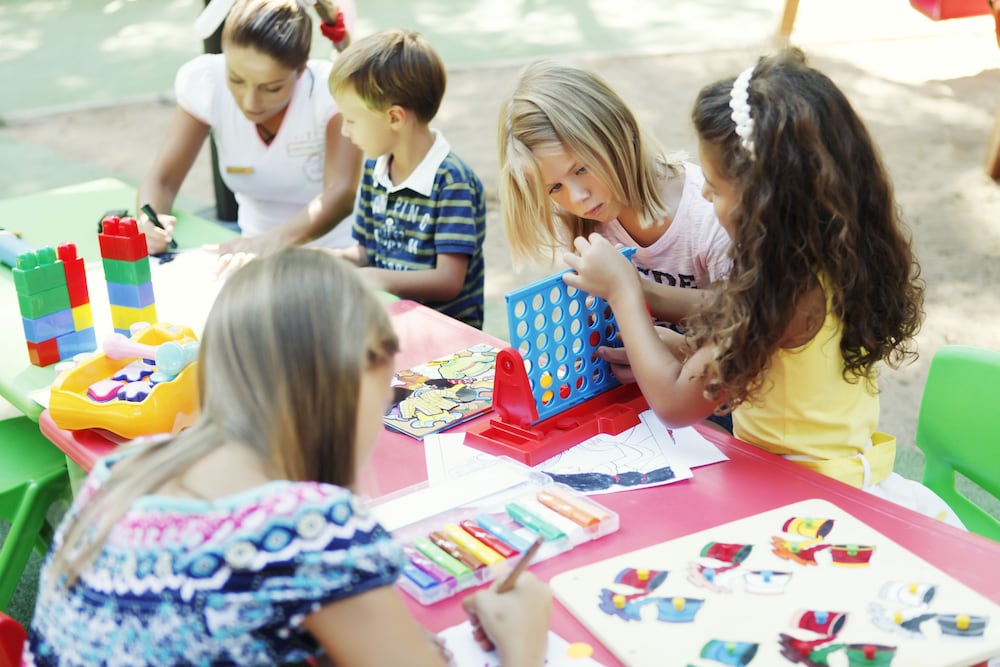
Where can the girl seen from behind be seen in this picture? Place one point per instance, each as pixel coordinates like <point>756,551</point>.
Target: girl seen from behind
<point>240,541</point>
<point>824,285</point>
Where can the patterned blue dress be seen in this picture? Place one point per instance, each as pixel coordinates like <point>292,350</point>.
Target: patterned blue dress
<point>223,582</point>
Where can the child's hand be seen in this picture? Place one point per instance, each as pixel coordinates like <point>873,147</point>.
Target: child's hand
<point>600,269</point>
<point>516,623</point>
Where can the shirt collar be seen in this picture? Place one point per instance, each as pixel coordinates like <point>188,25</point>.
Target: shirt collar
<point>421,180</point>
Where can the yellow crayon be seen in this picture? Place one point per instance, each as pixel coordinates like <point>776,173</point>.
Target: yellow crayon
<point>465,541</point>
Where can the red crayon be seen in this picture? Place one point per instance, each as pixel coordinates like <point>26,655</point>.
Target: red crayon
<point>488,539</point>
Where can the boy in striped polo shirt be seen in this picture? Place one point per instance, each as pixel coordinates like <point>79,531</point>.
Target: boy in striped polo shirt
<point>420,214</point>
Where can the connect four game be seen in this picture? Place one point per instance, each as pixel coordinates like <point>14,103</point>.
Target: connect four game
<point>551,390</point>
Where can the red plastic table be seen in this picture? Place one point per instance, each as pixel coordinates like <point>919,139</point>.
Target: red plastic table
<point>751,481</point>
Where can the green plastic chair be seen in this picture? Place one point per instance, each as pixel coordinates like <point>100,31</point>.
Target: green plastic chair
<point>32,477</point>
<point>958,430</point>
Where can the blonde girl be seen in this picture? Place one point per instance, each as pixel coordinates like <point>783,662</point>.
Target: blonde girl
<point>240,541</point>
<point>574,160</point>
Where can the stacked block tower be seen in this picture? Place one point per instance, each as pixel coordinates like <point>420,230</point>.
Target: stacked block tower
<point>126,269</point>
<point>55,304</point>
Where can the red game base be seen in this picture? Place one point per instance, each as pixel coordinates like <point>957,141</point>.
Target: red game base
<point>950,9</point>
<point>610,413</point>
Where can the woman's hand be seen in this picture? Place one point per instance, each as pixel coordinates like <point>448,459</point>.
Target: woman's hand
<point>600,269</point>
<point>157,240</point>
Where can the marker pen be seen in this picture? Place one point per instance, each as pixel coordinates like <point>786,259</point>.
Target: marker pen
<point>501,532</point>
<point>530,520</point>
<point>440,558</point>
<point>455,551</point>
<point>480,551</point>
<point>487,538</point>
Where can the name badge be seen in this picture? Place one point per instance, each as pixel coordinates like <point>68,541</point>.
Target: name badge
<point>239,170</point>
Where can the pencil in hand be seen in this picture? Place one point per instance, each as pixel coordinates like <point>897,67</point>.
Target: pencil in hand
<point>511,579</point>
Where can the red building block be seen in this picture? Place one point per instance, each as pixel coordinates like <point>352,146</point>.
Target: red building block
<point>121,239</point>
<point>44,353</point>
<point>76,275</point>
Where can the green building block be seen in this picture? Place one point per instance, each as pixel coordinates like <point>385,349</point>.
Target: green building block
<point>46,302</point>
<point>38,271</point>
<point>128,273</point>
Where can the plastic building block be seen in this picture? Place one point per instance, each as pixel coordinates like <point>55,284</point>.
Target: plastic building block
<point>46,302</point>
<point>129,273</point>
<point>44,353</point>
<point>169,407</point>
<point>121,239</point>
<point>123,317</point>
<point>83,317</point>
<point>38,271</point>
<point>75,342</point>
<point>76,275</point>
<point>49,326</point>
<point>133,296</point>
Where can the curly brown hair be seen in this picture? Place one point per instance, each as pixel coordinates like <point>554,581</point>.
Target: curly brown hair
<point>815,203</point>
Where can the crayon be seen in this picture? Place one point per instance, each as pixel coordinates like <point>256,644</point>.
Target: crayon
<point>501,532</point>
<point>440,558</point>
<point>490,540</point>
<point>574,511</point>
<point>455,551</point>
<point>426,565</point>
<point>423,580</point>
<point>480,551</point>
<point>533,522</point>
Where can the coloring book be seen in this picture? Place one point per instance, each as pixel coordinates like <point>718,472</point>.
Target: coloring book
<point>805,584</point>
<point>444,392</point>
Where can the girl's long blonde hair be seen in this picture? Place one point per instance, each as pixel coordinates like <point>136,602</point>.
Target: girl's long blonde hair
<point>560,107</point>
<point>279,370</point>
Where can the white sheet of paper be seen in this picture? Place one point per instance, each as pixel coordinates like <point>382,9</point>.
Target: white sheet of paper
<point>644,448</point>
<point>466,652</point>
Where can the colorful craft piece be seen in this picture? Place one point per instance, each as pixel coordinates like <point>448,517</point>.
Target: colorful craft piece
<point>126,270</point>
<point>729,653</point>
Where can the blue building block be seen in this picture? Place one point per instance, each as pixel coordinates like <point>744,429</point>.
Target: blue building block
<point>133,296</point>
<point>48,326</point>
<point>76,342</point>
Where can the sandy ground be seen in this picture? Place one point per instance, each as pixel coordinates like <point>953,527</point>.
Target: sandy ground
<point>930,110</point>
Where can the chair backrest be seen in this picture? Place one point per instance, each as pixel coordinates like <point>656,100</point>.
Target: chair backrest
<point>958,430</point>
<point>11,641</point>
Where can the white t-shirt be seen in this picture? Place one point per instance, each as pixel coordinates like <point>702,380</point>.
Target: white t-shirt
<point>692,252</point>
<point>271,182</point>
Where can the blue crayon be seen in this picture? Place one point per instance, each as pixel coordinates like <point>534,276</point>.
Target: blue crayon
<point>419,577</point>
<point>502,533</point>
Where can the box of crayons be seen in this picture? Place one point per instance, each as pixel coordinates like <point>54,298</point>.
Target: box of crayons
<point>459,533</point>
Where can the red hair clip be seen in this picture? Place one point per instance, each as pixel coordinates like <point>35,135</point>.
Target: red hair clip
<point>336,32</point>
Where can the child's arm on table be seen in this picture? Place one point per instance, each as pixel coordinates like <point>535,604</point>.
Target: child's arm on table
<point>442,283</point>
<point>375,627</point>
<point>673,388</point>
<point>181,145</point>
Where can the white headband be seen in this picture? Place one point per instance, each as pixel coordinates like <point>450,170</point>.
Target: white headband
<point>739,102</point>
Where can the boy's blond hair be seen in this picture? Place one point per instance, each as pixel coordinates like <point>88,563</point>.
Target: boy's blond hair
<point>393,67</point>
